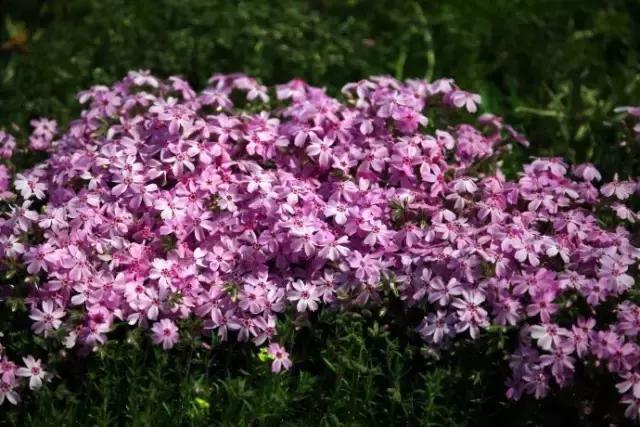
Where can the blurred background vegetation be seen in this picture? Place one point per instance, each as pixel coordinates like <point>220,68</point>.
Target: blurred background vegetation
<point>554,68</point>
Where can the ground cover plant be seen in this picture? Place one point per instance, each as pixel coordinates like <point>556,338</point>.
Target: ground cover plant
<point>556,69</point>
<point>227,212</point>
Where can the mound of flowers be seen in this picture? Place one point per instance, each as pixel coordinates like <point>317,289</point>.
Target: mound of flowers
<point>238,205</point>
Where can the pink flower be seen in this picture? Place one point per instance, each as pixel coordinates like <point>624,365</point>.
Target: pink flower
<point>543,306</point>
<point>536,382</point>
<point>43,132</point>
<point>304,240</point>
<point>621,189</point>
<point>365,266</point>
<point>339,211</point>
<point>267,328</point>
<point>460,99</point>
<point>441,292</point>
<point>165,332</point>
<point>633,406</point>
<point>280,358</point>
<point>548,336</point>
<point>179,157</point>
<point>162,271</point>
<point>7,145</point>
<point>30,186</point>
<point>4,179</point>
<point>258,181</point>
<point>170,208</point>
<point>588,172</point>
<point>7,391</point>
<point>221,259</point>
<point>377,233</point>
<point>435,327</point>
<point>7,370</point>
<point>306,294</point>
<point>335,249</point>
<point>470,313</point>
<point>46,319</point>
<point>631,382</point>
<point>32,370</point>
<point>320,149</point>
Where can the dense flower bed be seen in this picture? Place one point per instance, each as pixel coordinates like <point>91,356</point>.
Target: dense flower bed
<point>161,204</point>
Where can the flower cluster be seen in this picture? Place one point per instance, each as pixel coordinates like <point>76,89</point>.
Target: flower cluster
<point>161,204</point>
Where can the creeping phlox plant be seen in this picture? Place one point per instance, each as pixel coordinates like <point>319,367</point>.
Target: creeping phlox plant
<point>229,206</point>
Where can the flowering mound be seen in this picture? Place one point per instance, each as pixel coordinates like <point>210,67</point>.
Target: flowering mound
<point>161,204</point>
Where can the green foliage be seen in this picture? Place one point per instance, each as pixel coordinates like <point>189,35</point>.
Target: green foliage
<point>349,369</point>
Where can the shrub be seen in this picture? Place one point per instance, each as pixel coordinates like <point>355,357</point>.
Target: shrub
<point>226,211</point>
